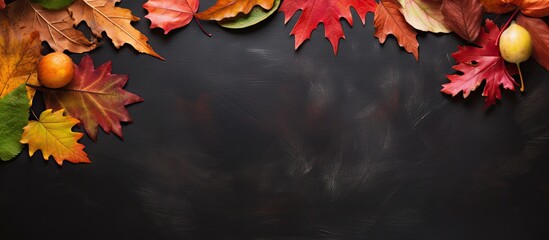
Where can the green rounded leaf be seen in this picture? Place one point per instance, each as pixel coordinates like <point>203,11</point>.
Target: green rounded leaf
<point>54,4</point>
<point>14,115</point>
<point>256,15</point>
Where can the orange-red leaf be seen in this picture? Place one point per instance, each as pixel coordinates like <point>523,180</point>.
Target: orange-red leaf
<point>389,20</point>
<point>52,135</point>
<point>170,14</point>
<point>463,17</point>
<point>497,6</point>
<point>95,96</point>
<point>532,8</point>
<point>103,16</point>
<point>477,64</point>
<point>540,36</point>
<point>54,26</point>
<point>19,56</point>
<point>327,12</point>
<point>230,8</point>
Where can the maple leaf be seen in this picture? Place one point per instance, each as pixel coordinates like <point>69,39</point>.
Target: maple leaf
<point>103,16</point>
<point>53,135</point>
<point>327,12</point>
<point>95,96</point>
<point>540,36</point>
<point>477,64</point>
<point>424,15</point>
<point>532,8</point>
<point>463,17</point>
<point>19,56</point>
<point>14,114</point>
<point>55,27</point>
<point>230,8</point>
<point>170,14</point>
<point>389,20</point>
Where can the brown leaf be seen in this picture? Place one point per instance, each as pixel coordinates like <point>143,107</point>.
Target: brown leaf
<point>497,6</point>
<point>103,16</point>
<point>55,27</point>
<point>463,17</point>
<point>230,8</point>
<point>540,36</point>
<point>19,56</point>
<point>389,20</point>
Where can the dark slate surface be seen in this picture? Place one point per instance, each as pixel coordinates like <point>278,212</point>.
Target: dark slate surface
<point>240,137</point>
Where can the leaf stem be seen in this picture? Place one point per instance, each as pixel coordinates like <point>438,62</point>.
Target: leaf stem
<point>34,114</point>
<point>521,79</point>
<point>200,26</point>
<point>507,24</point>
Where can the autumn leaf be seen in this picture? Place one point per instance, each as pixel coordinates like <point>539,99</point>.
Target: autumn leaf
<point>2,4</point>
<point>463,17</point>
<point>540,36</point>
<point>53,135</point>
<point>477,64</point>
<point>54,4</point>
<point>19,56</point>
<point>103,16</point>
<point>170,14</point>
<point>424,15</point>
<point>230,8</point>
<point>532,8</point>
<point>255,16</point>
<point>327,12</point>
<point>14,114</point>
<point>95,96</point>
<point>55,27</point>
<point>389,20</point>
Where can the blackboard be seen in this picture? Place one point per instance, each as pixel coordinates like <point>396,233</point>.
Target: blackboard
<point>241,137</point>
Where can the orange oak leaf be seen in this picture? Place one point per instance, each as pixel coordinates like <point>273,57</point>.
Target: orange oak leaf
<point>19,56</point>
<point>464,17</point>
<point>477,64</point>
<point>327,12</point>
<point>54,26</point>
<point>389,20</point>
<point>95,96</point>
<point>532,8</point>
<point>52,134</point>
<point>170,14</point>
<point>539,30</point>
<point>230,8</point>
<point>103,16</point>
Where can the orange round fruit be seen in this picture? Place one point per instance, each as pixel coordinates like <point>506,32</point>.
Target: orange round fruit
<point>55,70</point>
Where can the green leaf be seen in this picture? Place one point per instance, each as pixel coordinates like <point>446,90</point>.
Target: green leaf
<point>14,115</point>
<point>54,4</point>
<point>256,15</point>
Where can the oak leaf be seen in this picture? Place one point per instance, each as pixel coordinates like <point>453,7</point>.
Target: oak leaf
<point>103,16</point>
<point>539,31</point>
<point>424,15</point>
<point>327,12</point>
<point>464,17</point>
<point>532,8</point>
<point>230,8</point>
<point>477,64</point>
<point>170,14</point>
<point>95,97</point>
<point>19,56</point>
<point>14,115</point>
<point>52,134</point>
<point>54,26</point>
<point>389,20</point>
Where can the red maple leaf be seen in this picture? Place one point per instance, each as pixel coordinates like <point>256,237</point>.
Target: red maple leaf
<point>95,97</point>
<point>327,12</point>
<point>170,14</point>
<point>477,64</point>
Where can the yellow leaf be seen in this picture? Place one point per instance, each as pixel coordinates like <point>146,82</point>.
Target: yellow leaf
<point>19,56</point>
<point>52,135</point>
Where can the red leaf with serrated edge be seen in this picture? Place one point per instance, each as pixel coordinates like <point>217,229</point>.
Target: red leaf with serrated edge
<point>170,14</point>
<point>327,12</point>
<point>389,20</point>
<point>477,64</point>
<point>95,97</point>
<point>540,36</point>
